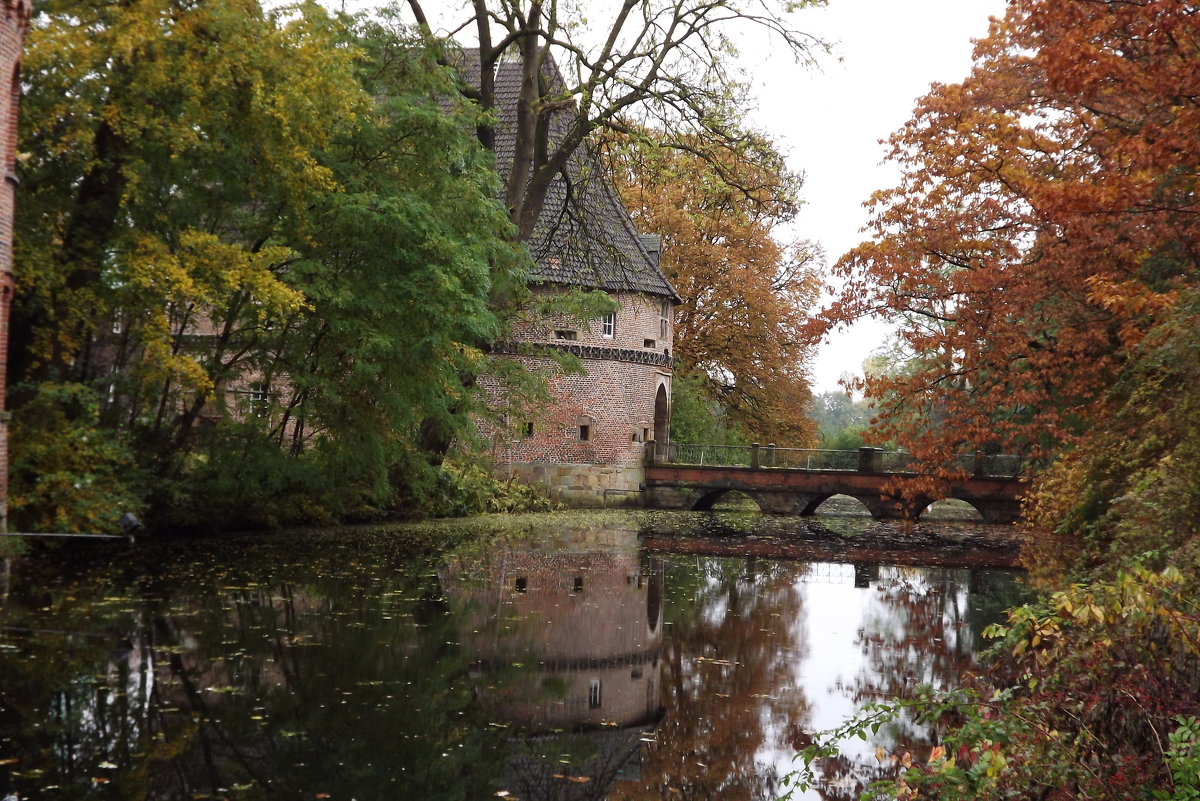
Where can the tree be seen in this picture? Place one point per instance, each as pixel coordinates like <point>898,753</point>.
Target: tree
<point>1045,220</point>
<point>651,60</point>
<point>841,420</point>
<point>742,325</point>
<point>219,228</point>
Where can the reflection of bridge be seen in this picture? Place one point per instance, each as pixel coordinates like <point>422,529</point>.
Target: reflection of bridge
<point>797,481</point>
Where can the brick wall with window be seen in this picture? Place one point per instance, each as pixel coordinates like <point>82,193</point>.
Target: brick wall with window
<point>602,416</point>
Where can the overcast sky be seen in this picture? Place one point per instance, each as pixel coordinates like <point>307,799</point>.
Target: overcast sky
<point>831,121</point>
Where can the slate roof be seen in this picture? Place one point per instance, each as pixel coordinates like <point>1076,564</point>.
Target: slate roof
<point>584,236</point>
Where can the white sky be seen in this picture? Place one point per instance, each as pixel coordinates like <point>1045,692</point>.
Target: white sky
<point>830,121</point>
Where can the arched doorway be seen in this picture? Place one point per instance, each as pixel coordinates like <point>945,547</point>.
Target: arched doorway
<point>662,419</point>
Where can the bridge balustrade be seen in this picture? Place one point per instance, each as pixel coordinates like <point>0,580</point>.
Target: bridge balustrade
<point>870,460</point>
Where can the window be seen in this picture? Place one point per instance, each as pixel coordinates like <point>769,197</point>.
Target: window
<point>528,430</point>
<point>260,399</point>
<point>594,694</point>
<point>664,321</point>
<point>566,333</point>
<point>577,585</point>
<point>585,432</point>
<point>648,343</point>
<point>608,325</point>
<point>520,584</point>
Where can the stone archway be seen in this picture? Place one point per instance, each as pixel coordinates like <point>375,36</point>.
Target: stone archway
<point>662,418</point>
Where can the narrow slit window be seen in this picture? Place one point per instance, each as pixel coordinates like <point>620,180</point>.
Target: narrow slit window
<point>594,694</point>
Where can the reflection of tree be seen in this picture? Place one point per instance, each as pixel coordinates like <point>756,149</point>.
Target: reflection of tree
<point>728,677</point>
<point>922,627</point>
<point>286,680</point>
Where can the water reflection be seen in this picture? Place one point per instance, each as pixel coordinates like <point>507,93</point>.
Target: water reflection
<point>565,638</point>
<point>604,661</point>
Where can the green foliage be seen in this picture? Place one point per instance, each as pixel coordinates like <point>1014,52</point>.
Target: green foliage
<point>1183,760</point>
<point>841,420</point>
<point>471,489</point>
<point>1082,689</point>
<point>69,474</point>
<point>272,243</point>
<point>697,417</point>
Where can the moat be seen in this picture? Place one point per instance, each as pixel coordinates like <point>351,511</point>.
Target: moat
<point>576,656</point>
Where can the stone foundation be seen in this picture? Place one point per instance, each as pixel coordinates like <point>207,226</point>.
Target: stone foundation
<point>583,484</point>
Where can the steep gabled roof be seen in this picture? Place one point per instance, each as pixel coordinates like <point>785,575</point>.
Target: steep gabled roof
<point>584,236</point>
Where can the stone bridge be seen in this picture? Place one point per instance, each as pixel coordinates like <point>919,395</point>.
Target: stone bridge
<point>780,483</point>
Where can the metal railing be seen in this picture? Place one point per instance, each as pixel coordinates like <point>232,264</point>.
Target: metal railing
<point>866,460</point>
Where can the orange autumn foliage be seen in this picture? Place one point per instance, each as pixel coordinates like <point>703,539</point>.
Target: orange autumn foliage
<point>1047,217</point>
<point>745,294</point>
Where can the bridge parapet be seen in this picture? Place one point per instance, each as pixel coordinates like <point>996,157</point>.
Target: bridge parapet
<point>863,460</point>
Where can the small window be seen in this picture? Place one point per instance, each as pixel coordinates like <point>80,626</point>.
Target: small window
<point>521,584</point>
<point>577,585</point>
<point>527,431</point>
<point>594,694</point>
<point>585,432</point>
<point>608,325</point>
<point>648,343</point>
<point>567,334</point>
<point>664,321</point>
<point>260,399</point>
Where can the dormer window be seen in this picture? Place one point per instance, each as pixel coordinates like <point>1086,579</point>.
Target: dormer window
<point>608,325</point>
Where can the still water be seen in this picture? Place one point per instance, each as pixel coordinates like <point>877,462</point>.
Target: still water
<point>626,656</point>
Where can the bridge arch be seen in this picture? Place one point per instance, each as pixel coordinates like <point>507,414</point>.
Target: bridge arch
<point>705,500</point>
<point>951,508</point>
<point>817,501</point>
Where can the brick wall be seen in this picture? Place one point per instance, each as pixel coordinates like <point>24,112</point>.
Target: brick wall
<point>601,418</point>
<point>13,26</point>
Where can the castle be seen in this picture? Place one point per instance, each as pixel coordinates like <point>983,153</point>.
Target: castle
<point>588,444</point>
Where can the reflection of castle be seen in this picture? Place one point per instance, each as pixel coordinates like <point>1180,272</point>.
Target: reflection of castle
<point>567,642</point>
